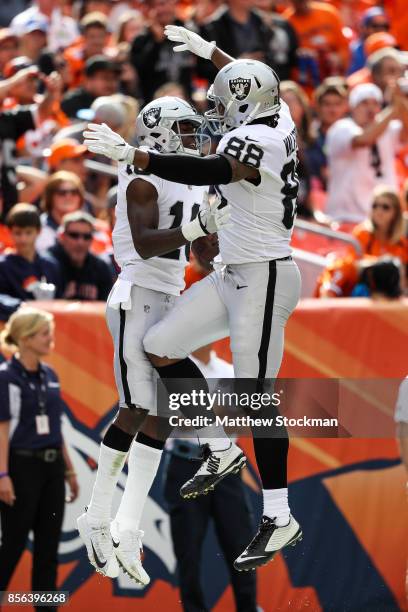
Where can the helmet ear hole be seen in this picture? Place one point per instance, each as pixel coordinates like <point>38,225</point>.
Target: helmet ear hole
<point>155,134</point>
<point>243,108</point>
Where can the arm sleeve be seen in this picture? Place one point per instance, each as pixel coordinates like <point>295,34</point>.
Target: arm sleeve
<point>191,170</point>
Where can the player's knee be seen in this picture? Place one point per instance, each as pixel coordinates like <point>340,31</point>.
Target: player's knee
<point>161,348</point>
<point>130,420</point>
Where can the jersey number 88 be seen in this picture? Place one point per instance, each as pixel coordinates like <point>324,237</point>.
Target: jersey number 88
<point>246,153</point>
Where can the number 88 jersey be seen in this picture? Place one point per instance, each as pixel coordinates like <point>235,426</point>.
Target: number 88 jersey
<point>263,211</point>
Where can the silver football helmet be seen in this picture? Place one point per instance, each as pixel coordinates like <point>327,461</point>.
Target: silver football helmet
<point>158,126</point>
<point>242,91</point>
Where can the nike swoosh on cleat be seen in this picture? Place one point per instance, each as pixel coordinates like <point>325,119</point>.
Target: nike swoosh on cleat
<point>250,558</point>
<point>242,286</point>
<point>115,544</point>
<point>99,563</point>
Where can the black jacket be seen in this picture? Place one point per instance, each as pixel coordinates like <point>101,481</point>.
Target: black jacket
<point>93,281</point>
<point>76,100</point>
<point>156,64</point>
<point>277,43</point>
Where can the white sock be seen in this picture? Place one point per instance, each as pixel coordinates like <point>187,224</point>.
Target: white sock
<point>110,465</point>
<point>275,504</point>
<point>143,464</point>
<point>214,436</point>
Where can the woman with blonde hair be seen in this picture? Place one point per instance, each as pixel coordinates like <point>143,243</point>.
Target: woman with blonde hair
<point>384,231</point>
<point>34,462</point>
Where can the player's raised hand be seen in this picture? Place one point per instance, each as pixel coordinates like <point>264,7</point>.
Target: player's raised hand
<point>100,139</point>
<point>190,41</point>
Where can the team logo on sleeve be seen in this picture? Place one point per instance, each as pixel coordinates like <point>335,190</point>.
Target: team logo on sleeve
<point>240,87</point>
<point>151,117</point>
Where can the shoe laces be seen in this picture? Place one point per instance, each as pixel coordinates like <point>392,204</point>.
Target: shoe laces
<point>101,537</point>
<point>132,542</point>
<point>266,524</point>
<point>210,461</point>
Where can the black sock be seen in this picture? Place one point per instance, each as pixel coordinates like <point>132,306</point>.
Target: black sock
<point>142,438</point>
<point>272,460</point>
<point>185,377</point>
<point>117,439</point>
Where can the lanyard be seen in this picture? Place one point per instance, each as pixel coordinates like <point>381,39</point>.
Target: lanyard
<point>40,391</point>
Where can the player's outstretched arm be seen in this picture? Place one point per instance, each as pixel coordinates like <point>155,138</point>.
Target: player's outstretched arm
<point>186,169</point>
<point>143,217</point>
<point>190,41</point>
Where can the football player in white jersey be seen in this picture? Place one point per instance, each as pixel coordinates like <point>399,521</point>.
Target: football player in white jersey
<point>155,221</point>
<point>251,298</point>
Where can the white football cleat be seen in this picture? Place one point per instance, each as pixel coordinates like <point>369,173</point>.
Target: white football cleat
<point>127,546</point>
<point>99,547</point>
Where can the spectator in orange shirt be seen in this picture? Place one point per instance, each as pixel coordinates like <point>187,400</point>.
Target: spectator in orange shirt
<point>375,277</point>
<point>384,232</point>
<point>338,279</point>
<point>94,41</point>
<point>320,33</point>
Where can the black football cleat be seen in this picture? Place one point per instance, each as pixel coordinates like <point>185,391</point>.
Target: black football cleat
<point>267,542</point>
<point>216,466</point>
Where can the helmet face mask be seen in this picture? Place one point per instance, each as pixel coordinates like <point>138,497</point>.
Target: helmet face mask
<point>162,123</point>
<point>243,90</point>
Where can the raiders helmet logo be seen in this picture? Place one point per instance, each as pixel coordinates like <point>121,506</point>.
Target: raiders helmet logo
<point>151,117</point>
<point>240,87</point>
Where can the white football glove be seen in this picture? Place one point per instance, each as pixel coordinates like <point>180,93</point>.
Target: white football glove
<point>190,41</point>
<point>208,221</point>
<point>100,139</point>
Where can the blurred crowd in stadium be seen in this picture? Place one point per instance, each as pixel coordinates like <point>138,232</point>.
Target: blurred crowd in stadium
<point>63,63</point>
<point>343,66</point>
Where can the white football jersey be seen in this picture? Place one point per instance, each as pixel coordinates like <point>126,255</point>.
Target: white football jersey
<point>263,214</point>
<point>178,204</point>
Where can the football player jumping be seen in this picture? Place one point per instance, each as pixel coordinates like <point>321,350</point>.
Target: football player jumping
<point>252,297</point>
<point>155,221</point>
